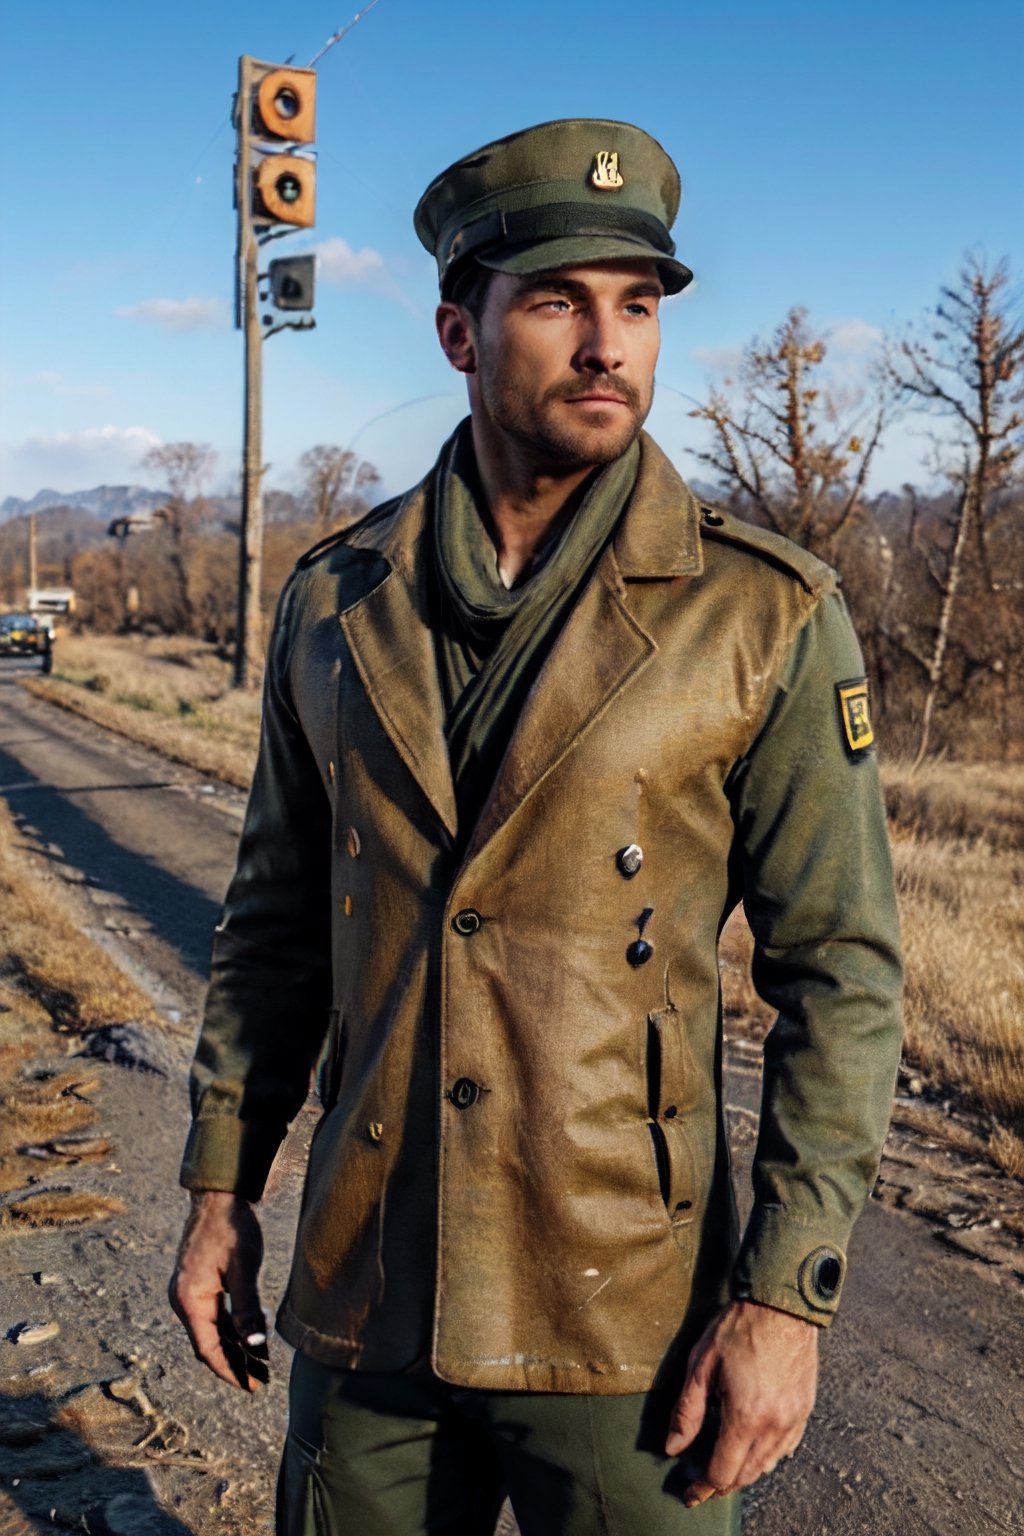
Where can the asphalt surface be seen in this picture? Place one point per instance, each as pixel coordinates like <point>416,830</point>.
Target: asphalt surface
<point>154,841</point>
<point>919,1429</point>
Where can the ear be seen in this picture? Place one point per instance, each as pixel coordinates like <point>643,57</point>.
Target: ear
<point>455,333</point>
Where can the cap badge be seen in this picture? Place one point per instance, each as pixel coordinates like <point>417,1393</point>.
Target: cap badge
<point>606,175</point>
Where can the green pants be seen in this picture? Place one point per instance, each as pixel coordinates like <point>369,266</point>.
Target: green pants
<point>371,1455</point>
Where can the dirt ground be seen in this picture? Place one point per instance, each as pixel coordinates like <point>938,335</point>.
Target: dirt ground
<point>108,1425</point>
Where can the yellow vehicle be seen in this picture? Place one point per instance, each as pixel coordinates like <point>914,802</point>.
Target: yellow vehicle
<point>21,634</point>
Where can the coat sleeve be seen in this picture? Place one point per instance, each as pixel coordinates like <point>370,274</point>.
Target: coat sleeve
<point>267,1005</point>
<point>819,897</point>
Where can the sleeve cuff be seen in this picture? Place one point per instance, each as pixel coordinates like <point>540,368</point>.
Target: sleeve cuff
<point>790,1266</point>
<point>231,1155</point>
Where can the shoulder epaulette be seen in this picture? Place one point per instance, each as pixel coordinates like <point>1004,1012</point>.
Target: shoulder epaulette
<point>345,535</point>
<point>815,575</point>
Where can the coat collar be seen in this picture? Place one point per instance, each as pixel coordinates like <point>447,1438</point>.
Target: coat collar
<point>601,649</point>
<point>658,536</point>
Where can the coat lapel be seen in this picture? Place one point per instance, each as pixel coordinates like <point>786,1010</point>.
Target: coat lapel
<point>598,653</point>
<point>393,650</point>
<point>603,648</point>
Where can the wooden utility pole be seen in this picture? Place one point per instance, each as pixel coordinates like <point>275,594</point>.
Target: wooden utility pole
<point>275,194</point>
<point>249,641</point>
<point>33,568</point>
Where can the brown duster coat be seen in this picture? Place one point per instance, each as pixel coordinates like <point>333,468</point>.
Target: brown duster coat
<point>521,1165</point>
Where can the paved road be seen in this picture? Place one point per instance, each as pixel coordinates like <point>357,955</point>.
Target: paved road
<point>920,1425</point>
<point>155,841</point>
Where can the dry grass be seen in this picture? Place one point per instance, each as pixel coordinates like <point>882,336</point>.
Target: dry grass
<point>958,848</point>
<point>52,979</point>
<point>44,958</point>
<point>58,1208</point>
<point>171,694</point>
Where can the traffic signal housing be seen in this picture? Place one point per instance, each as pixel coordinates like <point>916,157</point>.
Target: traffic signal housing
<point>279,113</point>
<point>284,190</point>
<point>285,105</point>
<point>292,282</point>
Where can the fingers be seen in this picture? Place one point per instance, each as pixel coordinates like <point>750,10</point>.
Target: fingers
<point>245,1327</point>
<point>688,1413</point>
<point>762,1456</point>
<point>218,1263</point>
<point>733,1446</point>
<point>246,1311</point>
<point>200,1313</point>
<point>245,1351</point>
<point>738,1461</point>
<point>699,1493</point>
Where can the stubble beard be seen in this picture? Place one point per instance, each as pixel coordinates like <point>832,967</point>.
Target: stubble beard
<point>556,443</point>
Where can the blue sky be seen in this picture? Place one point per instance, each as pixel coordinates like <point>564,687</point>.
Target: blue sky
<point>838,157</point>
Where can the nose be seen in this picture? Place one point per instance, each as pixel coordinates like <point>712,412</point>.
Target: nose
<point>601,347</point>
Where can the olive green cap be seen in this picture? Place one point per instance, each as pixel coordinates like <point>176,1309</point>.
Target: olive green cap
<point>557,195</point>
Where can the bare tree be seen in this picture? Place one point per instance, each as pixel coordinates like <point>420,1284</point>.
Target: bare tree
<point>186,468</point>
<point>787,443</point>
<point>968,369</point>
<point>334,480</point>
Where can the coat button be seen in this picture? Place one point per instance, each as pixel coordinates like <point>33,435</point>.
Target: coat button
<point>353,845</point>
<point>467,921</point>
<point>639,952</point>
<point>464,1093</point>
<point>629,860</point>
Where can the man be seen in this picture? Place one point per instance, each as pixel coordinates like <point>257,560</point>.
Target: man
<point>530,733</point>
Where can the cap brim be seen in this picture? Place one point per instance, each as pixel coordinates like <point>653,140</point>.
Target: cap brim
<point>580,250</point>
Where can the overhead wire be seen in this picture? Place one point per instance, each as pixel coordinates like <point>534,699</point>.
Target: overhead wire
<point>337,36</point>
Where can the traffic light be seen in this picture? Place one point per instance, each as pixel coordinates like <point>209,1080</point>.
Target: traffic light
<point>285,105</point>
<point>279,112</point>
<point>284,188</point>
<point>292,280</point>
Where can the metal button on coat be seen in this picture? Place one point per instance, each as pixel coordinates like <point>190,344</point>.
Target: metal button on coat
<point>464,1093</point>
<point>826,1275</point>
<point>353,844</point>
<point>629,860</point>
<point>467,921</point>
<point>639,952</point>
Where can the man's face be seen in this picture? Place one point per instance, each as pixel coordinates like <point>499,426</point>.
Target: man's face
<point>565,361</point>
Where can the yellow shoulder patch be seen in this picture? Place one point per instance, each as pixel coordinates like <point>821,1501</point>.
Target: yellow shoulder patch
<point>858,731</point>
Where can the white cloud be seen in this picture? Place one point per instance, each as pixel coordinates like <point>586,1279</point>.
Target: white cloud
<point>854,336</point>
<point>341,266</point>
<point>337,262</point>
<point>193,314</point>
<point>73,461</point>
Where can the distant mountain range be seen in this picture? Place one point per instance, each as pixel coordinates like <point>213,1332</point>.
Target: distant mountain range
<point>103,501</point>
<point>111,501</point>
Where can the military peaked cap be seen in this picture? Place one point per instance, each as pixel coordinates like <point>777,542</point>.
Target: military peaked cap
<point>561,194</point>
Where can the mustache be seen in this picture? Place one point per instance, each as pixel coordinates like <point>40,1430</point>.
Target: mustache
<point>599,384</point>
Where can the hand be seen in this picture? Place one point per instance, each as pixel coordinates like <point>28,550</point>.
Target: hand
<point>219,1260</point>
<point>762,1366</point>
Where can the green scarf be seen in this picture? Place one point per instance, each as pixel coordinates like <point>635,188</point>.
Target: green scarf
<point>492,642</point>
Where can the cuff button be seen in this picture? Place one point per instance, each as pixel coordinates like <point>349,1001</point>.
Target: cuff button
<point>821,1275</point>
